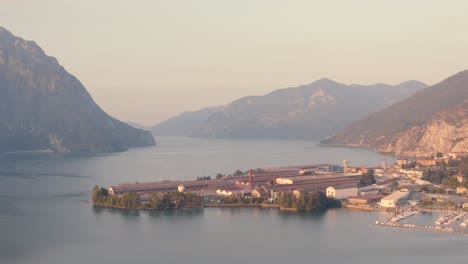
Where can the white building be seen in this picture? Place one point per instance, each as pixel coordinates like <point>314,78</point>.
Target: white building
<point>283,181</point>
<point>371,189</point>
<point>341,192</point>
<point>394,199</point>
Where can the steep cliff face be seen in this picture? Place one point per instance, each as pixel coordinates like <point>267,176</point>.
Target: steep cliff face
<point>43,107</point>
<point>431,121</point>
<point>311,111</point>
<point>446,132</point>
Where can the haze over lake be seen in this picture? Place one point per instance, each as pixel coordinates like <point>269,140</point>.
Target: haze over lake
<point>43,217</point>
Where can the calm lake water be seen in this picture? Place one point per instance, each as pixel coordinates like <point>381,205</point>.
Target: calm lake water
<point>43,217</point>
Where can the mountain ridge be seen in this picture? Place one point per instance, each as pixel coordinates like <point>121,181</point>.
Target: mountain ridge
<point>43,107</point>
<point>288,113</point>
<point>382,130</point>
<point>183,124</point>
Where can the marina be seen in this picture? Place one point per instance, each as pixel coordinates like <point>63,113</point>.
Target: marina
<point>444,224</point>
<point>450,218</point>
<point>423,227</point>
<point>403,215</point>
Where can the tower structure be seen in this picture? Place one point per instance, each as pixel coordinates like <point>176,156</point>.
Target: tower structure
<point>345,165</point>
<point>181,188</point>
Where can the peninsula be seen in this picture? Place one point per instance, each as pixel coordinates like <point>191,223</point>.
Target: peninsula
<point>420,183</point>
<point>299,188</point>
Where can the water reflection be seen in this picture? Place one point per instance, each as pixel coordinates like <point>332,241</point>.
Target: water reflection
<point>100,210</point>
<point>189,212</point>
<point>304,215</point>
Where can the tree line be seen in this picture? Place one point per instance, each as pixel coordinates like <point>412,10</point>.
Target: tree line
<point>447,174</point>
<point>157,201</point>
<point>313,201</point>
<point>234,175</point>
<point>174,200</point>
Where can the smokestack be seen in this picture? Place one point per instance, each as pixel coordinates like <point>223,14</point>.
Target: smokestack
<point>250,177</point>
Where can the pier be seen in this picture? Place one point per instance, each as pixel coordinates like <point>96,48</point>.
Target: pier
<point>403,215</point>
<point>450,219</point>
<point>432,228</point>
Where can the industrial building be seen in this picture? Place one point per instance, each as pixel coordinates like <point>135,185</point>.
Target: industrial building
<point>368,199</point>
<point>394,199</point>
<point>167,186</point>
<point>341,192</point>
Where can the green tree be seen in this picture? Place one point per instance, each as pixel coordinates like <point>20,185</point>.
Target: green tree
<point>367,179</point>
<point>95,194</point>
<point>155,201</point>
<point>463,166</point>
<point>313,201</point>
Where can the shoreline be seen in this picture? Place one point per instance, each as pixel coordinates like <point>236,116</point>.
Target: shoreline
<point>231,205</point>
<point>201,207</point>
<point>329,145</point>
<point>41,151</point>
<point>362,208</point>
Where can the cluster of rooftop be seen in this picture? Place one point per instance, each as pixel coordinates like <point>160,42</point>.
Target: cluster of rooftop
<point>267,183</point>
<point>397,184</point>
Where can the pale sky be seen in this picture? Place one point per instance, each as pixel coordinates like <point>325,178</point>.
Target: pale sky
<point>148,60</point>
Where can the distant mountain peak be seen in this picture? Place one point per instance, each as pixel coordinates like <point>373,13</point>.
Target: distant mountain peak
<point>413,82</point>
<point>325,81</point>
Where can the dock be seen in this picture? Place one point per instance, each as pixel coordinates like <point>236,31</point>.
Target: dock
<point>403,215</point>
<point>431,228</point>
<point>450,219</point>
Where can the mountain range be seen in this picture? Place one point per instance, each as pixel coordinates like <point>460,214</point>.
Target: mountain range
<point>317,110</point>
<point>432,120</point>
<point>43,107</point>
<point>185,123</point>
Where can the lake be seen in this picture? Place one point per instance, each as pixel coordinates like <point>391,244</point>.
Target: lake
<point>45,217</point>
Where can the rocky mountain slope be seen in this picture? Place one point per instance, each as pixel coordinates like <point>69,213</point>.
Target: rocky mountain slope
<point>43,107</point>
<point>446,132</point>
<point>431,121</point>
<point>185,123</point>
<point>311,111</point>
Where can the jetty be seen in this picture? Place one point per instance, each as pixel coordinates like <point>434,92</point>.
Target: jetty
<point>450,218</point>
<point>424,227</point>
<point>403,215</point>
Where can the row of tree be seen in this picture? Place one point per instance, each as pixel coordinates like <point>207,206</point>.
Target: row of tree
<point>235,174</point>
<point>447,174</point>
<point>159,201</point>
<point>367,179</point>
<point>203,178</point>
<point>174,200</point>
<point>239,200</point>
<point>127,200</point>
<point>313,201</point>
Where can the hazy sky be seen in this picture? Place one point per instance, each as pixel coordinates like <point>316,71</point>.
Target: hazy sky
<point>147,60</point>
